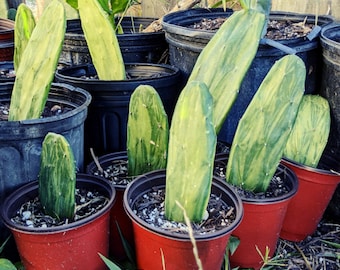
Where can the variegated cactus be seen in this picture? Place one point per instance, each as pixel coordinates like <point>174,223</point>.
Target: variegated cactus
<point>147,132</point>
<point>309,136</point>
<point>192,144</point>
<point>57,177</point>
<point>38,64</point>
<point>101,40</point>
<point>225,60</point>
<point>263,130</point>
<point>24,25</point>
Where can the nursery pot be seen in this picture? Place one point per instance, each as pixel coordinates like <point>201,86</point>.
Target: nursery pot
<point>330,84</point>
<point>185,45</point>
<point>154,245</point>
<point>106,125</point>
<point>136,46</point>
<point>21,141</point>
<point>72,246</point>
<point>316,187</point>
<point>6,40</point>
<point>118,217</point>
<point>262,221</point>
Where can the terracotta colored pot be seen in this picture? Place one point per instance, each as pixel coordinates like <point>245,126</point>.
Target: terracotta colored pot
<point>316,188</point>
<point>261,223</point>
<point>72,246</point>
<point>155,246</point>
<point>118,216</point>
<point>6,40</point>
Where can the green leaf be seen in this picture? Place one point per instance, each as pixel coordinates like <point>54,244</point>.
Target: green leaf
<point>6,265</point>
<point>119,5</point>
<point>111,265</point>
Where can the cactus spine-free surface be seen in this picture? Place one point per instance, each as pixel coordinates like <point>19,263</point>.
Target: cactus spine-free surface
<point>147,132</point>
<point>230,53</point>
<point>24,25</point>
<point>191,153</point>
<point>57,177</point>
<point>263,130</point>
<point>309,136</point>
<point>101,40</point>
<point>38,64</point>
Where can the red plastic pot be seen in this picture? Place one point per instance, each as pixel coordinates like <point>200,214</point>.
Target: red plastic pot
<point>72,246</point>
<point>117,215</point>
<point>261,226</point>
<point>262,221</point>
<point>316,188</point>
<point>155,246</point>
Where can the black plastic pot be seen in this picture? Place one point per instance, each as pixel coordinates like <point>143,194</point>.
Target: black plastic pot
<point>6,39</point>
<point>106,125</point>
<point>155,245</point>
<point>136,47</point>
<point>75,245</point>
<point>330,88</point>
<point>186,43</point>
<point>21,141</point>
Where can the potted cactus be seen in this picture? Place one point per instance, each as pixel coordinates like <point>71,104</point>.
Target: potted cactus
<point>147,122</point>
<point>187,180</point>
<point>56,108</point>
<point>186,43</point>
<point>254,157</point>
<point>51,222</point>
<point>314,167</point>
<point>111,92</point>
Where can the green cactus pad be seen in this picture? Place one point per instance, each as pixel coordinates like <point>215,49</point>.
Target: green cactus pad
<point>230,52</point>
<point>147,132</point>
<point>38,64</point>
<point>310,133</point>
<point>191,153</point>
<point>263,130</point>
<point>57,177</point>
<point>24,25</point>
<point>101,40</point>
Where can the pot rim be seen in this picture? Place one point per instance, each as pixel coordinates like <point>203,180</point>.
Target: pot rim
<point>170,70</point>
<point>326,34</point>
<point>160,174</point>
<point>82,107</point>
<point>171,27</point>
<point>308,168</point>
<point>32,187</point>
<point>104,161</point>
<point>291,178</point>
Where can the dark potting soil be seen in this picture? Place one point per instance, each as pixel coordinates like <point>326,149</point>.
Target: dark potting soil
<point>277,186</point>
<point>150,208</point>
<point>116,172</point>
<point>51,109</point>
<point>276,30</point>
<point>31,213</point>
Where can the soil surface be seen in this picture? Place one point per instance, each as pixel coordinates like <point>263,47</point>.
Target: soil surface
<point>51,109</point>
<point>276,30</point>
<point>31,213</point>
